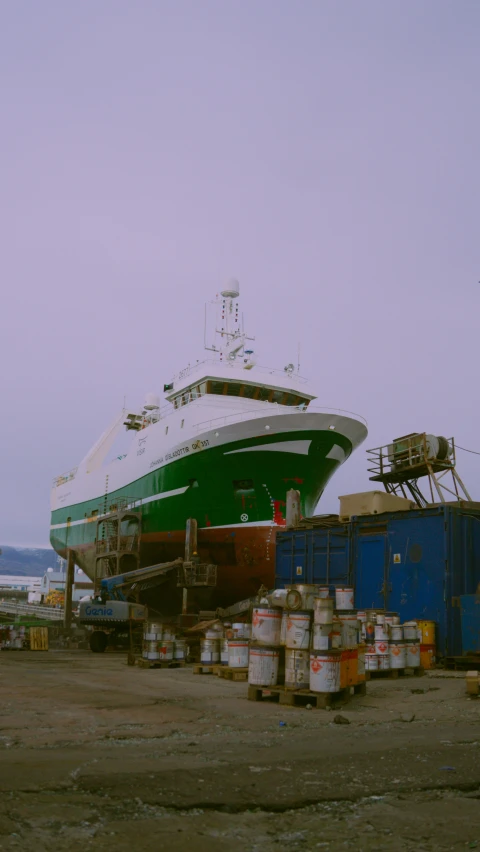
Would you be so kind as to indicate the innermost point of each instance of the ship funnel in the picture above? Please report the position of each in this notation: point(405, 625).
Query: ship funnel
point(232, 290)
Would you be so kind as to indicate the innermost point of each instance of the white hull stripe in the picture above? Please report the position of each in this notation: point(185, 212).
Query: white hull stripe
point(174, 493)
point(244, 524)
point(337, 453)
point(298, 447)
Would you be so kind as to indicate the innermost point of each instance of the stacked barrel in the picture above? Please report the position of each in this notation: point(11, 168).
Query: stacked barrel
point(160, 643)
point(226, 645)
point(391, 645)
point(320, 634)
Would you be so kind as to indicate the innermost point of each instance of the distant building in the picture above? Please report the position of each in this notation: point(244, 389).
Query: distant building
point(19, 587)
point(55, 581)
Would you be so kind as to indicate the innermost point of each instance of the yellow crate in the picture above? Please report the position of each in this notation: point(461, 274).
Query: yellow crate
point(39, 638)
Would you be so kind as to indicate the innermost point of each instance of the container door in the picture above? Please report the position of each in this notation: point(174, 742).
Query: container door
point(291, 558)
point(328, 557)
point(370, 572)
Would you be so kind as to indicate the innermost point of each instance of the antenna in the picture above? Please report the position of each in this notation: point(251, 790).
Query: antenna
point(298, 359)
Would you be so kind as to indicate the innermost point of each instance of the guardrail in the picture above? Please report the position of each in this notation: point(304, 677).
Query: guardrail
point(254, 413)
point(42, 612)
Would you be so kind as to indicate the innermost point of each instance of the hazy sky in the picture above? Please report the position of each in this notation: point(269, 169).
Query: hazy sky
point(325, 153)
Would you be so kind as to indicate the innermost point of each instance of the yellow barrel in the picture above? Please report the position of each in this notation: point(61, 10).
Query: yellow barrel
point(428, 632)
point(427, 656)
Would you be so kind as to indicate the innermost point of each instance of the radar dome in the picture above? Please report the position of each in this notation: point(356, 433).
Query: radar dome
point(232, 290)
point(152, 402)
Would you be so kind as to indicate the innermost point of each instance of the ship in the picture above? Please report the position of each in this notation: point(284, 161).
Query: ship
point(227, 443)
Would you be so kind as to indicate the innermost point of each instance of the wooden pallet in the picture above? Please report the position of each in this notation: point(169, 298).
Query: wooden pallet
point(394, 674)
point(302, 697)
point(232, 673)
point(200, 668)
point(159, 664)
point(39, 638)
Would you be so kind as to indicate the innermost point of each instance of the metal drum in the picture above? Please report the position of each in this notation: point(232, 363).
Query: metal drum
point(350, 630)
point(410, 631)
point(322, 635)
point(247, 631)
point(263, 666)
point(150, 651)
point(362, 616)
point(180, 649)
point(293, 599)
point(309, 593)
point(298, 630)
point(325, 671)
point(224, 652)
point(398, 655)
point(238, 653)
point(383, 662)
point(283, 627)
point(337, 633)
point(344, 597)
point(209, 651)
point(412, 650)
point(396, 632)
point(381, 647)
point(323, 610)
point(166, 649)
point(238, 628)
point(297, 668)
point(153, 631)
point(361, 662)
point(168, 633)
point(427, 630)
point(381, 633)
point(380, 618)
point(427, 656)
point(323, 592)
point(369, 632)
point(266, 624)
point(371, 662)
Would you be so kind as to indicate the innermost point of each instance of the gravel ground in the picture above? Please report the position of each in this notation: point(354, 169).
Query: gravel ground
point(96, 755)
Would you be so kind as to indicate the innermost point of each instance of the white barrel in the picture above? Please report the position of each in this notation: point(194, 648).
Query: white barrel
point(362, 616)
point(371, 662)
point(278, 598)
point(380, 618)
point(322, 635)
point(381, 633)
point(412, 654)
point(361, 660)
point(263, 665)
point(363, 631)
point(323, 592)
point(350, 630)
point(266, 624)
point(325, 671)
point(398, 655)
point(209, 651)
point(213, 633)
point(151, 637)
point(238, 628)
point(154, 627)
point(383, 662)
point(308, 592)
point(298, 630)
point(224, 652)
point(396, 619)
point(168, 633)
point(166, 649)
point(396, 632)
point(297, 668)
point(293, 599)
point(323, 610)
point(283, 627)
point(389, 620)
point(180, 649)
point(371, 615)
point(381, 647)
point(370, 649)
point(410, 630)
point(337, 633)
point(18, 643)
point(150, 651)
point(238, 653)
point(344, 597)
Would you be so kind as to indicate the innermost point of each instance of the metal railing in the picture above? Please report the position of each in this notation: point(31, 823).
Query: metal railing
point(251, 414)
point(36, 610)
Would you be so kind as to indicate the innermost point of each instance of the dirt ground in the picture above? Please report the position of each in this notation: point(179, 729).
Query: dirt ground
point(96, 755)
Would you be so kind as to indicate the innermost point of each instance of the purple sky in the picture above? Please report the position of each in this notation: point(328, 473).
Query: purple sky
point(326, 154)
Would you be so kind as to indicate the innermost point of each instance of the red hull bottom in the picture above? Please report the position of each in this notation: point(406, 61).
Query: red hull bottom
point(245, 559)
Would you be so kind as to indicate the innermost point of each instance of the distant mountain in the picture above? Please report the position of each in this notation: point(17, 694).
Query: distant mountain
point(27, 561)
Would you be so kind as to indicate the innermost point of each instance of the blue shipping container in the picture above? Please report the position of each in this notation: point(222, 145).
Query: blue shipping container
point(417, 563)
point(470, 609)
